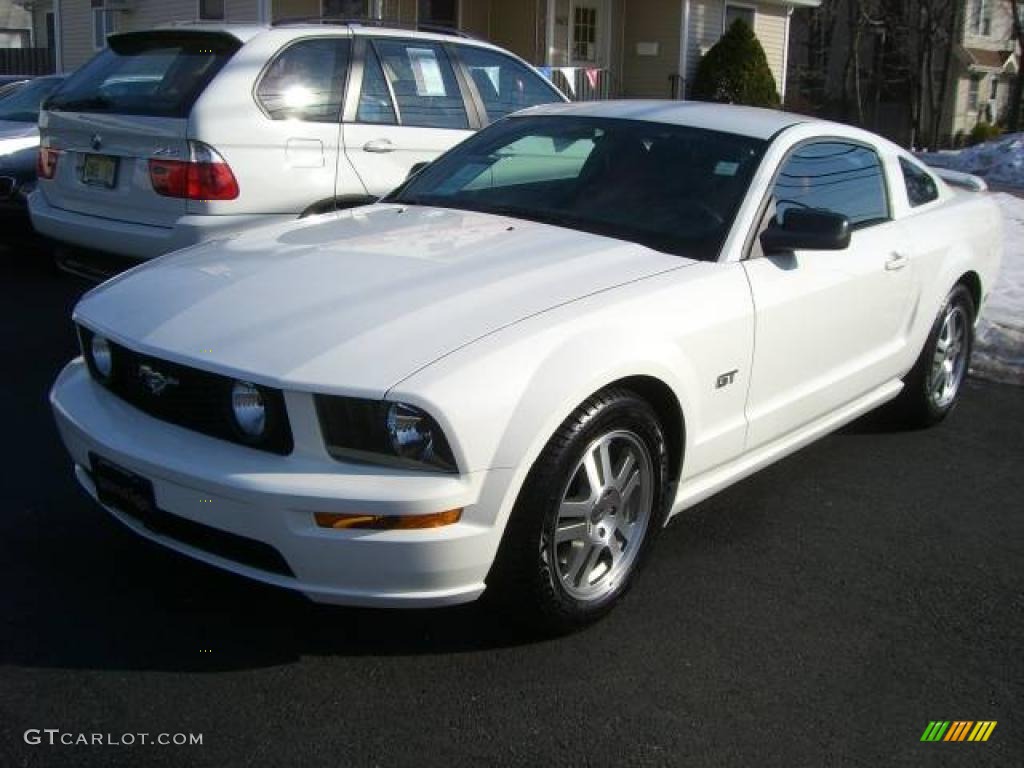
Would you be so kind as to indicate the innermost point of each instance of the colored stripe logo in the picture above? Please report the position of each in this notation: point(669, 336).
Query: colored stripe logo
point(958, 730)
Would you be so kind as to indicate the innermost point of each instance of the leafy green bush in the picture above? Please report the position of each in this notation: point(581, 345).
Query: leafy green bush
point(736, 71)
point(983, 132)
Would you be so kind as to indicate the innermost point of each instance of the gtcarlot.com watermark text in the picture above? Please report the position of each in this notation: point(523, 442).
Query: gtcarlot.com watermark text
point(55, 736)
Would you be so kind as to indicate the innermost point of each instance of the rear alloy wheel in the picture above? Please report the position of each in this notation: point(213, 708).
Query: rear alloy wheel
point(587, 515)
point(933, 386)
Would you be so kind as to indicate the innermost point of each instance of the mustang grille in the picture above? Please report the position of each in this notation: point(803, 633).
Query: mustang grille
point(188, 397)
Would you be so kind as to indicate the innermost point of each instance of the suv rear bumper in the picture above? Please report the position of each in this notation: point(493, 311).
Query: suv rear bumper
point(140, 241)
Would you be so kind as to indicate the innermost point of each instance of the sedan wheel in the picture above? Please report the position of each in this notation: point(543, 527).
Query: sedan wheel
point(932, 388)
point(593, 502)
point(603, 516)
point(949, 363)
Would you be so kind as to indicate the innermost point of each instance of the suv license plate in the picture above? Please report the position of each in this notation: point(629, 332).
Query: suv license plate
point(100, 171)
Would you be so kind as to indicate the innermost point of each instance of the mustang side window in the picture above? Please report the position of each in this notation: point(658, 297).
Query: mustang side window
point(921, 187)
point(306, 81)
point(834, 176)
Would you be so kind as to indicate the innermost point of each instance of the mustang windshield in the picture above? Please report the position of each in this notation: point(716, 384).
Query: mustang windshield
point(672, 188)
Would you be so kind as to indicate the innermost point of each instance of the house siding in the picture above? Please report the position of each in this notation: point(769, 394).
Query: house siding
point(514, 25)
point(770, 28)
point(76, 34)
point(650, 21)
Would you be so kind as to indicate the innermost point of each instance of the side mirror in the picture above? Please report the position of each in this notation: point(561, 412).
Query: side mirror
point(807, 229)
point(416, 169)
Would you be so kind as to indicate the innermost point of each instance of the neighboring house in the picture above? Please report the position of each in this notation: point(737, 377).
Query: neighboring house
point(630, 48)
point(15, 26)
point(983, 65)
point(986, 63)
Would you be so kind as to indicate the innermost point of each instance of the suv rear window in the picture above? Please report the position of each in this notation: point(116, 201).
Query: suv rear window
point(146, 73)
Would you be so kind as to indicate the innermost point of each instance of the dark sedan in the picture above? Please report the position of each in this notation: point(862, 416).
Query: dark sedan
point(19, 140)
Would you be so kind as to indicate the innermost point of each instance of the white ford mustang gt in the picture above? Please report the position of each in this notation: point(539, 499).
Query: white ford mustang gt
point(511, 372)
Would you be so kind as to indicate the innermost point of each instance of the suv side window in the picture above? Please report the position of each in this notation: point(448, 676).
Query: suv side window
point(423, 82)
point(834, 176)
point(921, 187)
point(504, 85)
point(306, 81)
point(374, 99)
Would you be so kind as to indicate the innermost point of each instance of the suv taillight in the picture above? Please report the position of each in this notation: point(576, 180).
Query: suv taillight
point(46, 162)
point(204, 176)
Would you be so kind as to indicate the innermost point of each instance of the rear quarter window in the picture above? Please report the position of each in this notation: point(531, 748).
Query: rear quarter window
point(306, 81)
point(921, 187)
point(159, 74)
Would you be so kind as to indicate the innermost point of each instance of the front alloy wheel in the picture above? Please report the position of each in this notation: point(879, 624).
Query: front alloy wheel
point(587, 515)
point(603, 516)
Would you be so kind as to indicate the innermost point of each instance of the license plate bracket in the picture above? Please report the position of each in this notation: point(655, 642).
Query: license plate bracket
point(100, 171)
point(122, 489)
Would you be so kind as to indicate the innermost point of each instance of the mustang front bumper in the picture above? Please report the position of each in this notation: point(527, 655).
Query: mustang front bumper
point(220, 503)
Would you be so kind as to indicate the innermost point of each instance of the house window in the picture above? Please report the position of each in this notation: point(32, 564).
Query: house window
point(973, 89)
point(994, 92)
point(441, 13)
point(103, 24)
point(981, 18)
point(584, 33)
point(211, 10)
point(734, 12)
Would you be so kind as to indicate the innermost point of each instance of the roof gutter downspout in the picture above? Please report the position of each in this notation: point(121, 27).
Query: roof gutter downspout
point(58, 39)
point(684, 48)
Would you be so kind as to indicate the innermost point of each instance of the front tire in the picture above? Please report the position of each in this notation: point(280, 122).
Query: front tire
point(591, 507)
point(932, 388)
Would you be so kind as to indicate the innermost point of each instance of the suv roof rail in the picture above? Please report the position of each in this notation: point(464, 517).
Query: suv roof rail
point(437, 29)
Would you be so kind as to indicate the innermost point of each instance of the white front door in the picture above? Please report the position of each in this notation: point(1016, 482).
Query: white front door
point(588, 33)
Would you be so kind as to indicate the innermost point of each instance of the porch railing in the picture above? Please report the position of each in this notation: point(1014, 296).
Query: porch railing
point(26, 61)
point(584, 83)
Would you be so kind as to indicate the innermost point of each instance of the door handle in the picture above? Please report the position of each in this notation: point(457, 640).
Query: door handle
point(896, 261)
point(379, 146)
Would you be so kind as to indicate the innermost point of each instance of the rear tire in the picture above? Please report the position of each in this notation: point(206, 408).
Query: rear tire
point(586, 517)
point(932, 388)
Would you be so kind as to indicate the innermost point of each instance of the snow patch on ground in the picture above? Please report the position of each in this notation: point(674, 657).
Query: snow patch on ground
point(999, 162)
point(999, 346)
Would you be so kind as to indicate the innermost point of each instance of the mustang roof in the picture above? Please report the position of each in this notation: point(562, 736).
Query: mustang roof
point(748, 121)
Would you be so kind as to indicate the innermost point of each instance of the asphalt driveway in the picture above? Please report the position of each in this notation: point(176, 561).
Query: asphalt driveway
point(819, 613)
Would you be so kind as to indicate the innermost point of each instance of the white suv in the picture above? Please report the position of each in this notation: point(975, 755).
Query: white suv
point(173, 136)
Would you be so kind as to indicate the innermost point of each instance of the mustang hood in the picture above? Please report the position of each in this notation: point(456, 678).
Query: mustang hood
point(355, 302)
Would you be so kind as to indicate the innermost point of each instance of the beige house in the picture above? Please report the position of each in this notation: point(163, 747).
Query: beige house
point(600, 48)
point(987, 64)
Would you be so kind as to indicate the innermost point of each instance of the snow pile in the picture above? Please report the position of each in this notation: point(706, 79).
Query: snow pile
point(999, 162)
point(999, 346)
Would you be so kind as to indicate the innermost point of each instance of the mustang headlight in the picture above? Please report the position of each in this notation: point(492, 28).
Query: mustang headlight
point(249, 409)
point(102, 357)
point(383, 433)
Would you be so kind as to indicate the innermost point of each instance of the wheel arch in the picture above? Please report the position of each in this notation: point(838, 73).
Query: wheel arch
point(971, 280)
point(666, 405)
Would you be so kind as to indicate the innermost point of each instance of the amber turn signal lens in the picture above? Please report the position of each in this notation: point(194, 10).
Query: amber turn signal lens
point(388, 522)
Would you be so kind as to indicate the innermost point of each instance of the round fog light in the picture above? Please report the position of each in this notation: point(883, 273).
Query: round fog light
point(101, 356)
point(249, 410)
